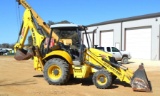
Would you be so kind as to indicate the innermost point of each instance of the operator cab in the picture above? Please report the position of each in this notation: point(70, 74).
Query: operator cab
point(69, 39)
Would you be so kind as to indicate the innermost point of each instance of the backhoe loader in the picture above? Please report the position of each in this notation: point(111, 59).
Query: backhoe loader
point(60, 53)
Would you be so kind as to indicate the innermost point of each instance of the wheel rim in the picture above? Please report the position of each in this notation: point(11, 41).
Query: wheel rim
point(101, 79)
point(54, 72)
point(125, 60)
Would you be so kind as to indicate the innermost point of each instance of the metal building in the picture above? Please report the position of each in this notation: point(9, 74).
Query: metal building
point(138, 34)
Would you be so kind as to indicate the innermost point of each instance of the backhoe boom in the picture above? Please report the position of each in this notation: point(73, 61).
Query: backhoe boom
point(38, 18)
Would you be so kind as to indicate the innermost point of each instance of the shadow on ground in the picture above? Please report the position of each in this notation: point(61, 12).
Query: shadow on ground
point(83, 82)
point(73, 81)
point(17, 83)
point(88, 82)
point(117, 82)
point(39, 76)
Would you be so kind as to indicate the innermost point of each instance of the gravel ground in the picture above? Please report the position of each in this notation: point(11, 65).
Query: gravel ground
point(18, 78)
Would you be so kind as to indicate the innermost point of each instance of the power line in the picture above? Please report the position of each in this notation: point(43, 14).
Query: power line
point(17, 15)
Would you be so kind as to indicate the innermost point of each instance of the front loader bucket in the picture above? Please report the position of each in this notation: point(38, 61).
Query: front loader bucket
point(139, 81)
point(22, 54)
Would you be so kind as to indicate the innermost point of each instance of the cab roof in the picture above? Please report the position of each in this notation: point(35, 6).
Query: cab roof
point(63, 25)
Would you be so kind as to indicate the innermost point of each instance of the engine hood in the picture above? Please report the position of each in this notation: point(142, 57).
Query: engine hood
point(124, 52)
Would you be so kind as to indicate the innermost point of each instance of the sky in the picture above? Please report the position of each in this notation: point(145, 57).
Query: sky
point(82, 12)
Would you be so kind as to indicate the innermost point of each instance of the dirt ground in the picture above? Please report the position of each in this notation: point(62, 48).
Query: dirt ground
point(18, 78)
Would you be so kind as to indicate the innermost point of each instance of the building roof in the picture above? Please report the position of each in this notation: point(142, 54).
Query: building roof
point(127, 19)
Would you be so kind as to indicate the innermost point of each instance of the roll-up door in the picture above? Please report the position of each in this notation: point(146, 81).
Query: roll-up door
point(106, 38)
point(138, 42)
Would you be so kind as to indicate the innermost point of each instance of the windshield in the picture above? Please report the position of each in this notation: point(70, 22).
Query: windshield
point(68, 33)
point(115, 49)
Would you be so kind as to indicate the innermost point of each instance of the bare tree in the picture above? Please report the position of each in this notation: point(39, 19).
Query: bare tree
point(64, 22)
point(11, 46)
point(5, 45)
point(61, 22)
point(50, 23)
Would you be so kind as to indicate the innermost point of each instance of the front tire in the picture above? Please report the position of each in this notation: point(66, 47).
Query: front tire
point(56, 71)
point(102, 79)
point(124, 60)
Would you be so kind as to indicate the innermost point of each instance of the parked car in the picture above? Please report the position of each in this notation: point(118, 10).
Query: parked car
point(122, 56)
point(3, 52)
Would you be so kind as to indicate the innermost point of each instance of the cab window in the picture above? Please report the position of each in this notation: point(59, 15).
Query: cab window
point(114, 49)
point(108, 49)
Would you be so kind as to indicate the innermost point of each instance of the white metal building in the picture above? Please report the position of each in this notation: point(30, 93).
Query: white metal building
point(138, 34)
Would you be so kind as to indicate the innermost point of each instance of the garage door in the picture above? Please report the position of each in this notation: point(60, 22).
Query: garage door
point(106, 38)
point(138, 42)
point(89, 35)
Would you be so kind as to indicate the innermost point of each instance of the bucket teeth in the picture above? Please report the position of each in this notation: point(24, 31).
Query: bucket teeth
point(139, 81)
point(22, 54)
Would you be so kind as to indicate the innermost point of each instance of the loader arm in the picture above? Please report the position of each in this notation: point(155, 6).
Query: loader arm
point(138, 79)
point(123, 75)
point(38, 18)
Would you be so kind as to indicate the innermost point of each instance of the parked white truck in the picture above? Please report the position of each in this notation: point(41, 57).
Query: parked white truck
point(122, 56)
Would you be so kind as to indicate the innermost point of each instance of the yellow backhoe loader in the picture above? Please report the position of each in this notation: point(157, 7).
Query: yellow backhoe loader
point(59, 52)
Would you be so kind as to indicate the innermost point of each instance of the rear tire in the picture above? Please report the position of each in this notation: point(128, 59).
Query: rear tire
point(102, 79)
point(124, 60)
point(56, 71)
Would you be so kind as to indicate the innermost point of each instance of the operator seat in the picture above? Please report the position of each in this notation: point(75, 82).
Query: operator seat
point(80, 58)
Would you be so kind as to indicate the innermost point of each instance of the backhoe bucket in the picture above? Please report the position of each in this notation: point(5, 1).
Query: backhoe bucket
point(139, 81)
point(22, 54)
